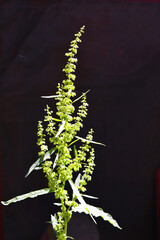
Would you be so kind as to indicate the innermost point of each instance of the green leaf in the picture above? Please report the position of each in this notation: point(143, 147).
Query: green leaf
point(77, 193)
point(55, 161)
point(88, 196)
point(85, 140)
point(57, 120)
point(40, 160)
point(27, 195)
point(75, 151)
point(54, 221)
point(81, 96)
point(38, 168)
point(89, 209)
point(61, 128)
point(58, 204)
point(52, 96)
point(96, 212)
point(80, 199)
point(69, 92)
point(73, 142)
point(77, 180)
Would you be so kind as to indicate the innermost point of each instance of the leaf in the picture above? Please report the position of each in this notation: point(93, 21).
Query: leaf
point(80, 96)
point(96, 212)
point(75, 151)
point(53, 221)
point(61, 128)
point(77, 193)
point(27, 195)
point(80, 199)
point(91, 215)
point(40, 160)
point(57, 120)
point(38, 168)
point(55, 161)
point(89, 209)
point(77, 180)
point(73, 142)
point(69, 92)
point(85, 140)
point(88, 196)
point(58, 204)
point(52, 96)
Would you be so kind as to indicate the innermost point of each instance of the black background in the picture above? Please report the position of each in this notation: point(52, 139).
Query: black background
point(119, 61)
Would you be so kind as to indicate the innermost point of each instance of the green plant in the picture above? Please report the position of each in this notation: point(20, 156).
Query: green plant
point(65, 162)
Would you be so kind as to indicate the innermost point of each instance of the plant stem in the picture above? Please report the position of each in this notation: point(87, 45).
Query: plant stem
point(65, 228)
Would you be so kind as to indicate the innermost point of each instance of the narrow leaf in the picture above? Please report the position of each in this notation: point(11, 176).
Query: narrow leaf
point(75, 151)
point(69, 92)
point(96, 212)
point(91, 215)
point(55, 161)
point(61, 128)
point(38, 168)
point(27, 195)
point(58, 204)
point(77, 180)
point(53, 221)
point(77, 193)
point(88, 196)
point(52, 96)
point(85, 140)
point(40, 160)
point(73, 142)
point(80, 199)
point(56, 119)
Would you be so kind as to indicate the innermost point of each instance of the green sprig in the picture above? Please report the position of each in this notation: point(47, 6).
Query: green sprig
point(64, 158)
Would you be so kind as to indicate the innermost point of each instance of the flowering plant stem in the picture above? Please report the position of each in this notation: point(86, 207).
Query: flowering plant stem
point(60, 158)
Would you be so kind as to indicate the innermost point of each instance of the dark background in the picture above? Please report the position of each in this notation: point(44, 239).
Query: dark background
point(119, 61)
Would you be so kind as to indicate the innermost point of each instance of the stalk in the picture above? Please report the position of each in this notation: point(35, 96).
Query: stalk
point(65, 229)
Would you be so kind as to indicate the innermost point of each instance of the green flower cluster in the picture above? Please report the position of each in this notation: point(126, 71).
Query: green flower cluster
point(41, 139)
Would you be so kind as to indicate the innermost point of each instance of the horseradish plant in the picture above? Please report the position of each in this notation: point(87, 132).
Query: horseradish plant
point(65, 162)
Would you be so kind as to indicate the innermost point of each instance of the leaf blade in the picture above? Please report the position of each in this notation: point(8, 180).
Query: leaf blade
point(96, 212)
point(88, 196)
point(40, 160)
point(80, 199)
point(51, 96)
point(85, 140)
point(53, 221)
point(77, 193)
point(61, 128)
point(32, 194)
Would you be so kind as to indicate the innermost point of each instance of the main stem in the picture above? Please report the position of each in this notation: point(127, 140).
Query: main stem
point(65, 229)
point(64, 210)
